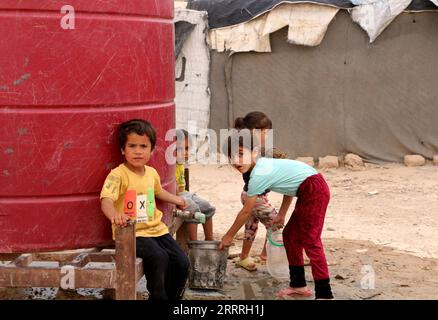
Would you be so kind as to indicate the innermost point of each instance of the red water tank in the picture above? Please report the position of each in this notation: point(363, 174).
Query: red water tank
point(68, 76)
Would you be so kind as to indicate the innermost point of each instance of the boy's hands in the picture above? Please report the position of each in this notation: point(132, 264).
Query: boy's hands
point(183, 204)
point(120, 220)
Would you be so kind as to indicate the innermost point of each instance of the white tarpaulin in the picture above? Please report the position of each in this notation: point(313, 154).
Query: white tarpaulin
point(192, 72)
point(307, 23)
point(375, 15)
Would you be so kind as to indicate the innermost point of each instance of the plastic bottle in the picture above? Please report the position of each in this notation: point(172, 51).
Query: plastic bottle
point(276, 263)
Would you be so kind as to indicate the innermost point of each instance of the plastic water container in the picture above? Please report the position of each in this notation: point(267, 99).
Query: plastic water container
point(276, 263)
point(207, 265)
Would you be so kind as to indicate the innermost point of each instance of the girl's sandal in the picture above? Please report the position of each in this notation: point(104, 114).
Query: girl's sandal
point(260, 259)
point(293, 292)
point(247, 264)
point(263, 259)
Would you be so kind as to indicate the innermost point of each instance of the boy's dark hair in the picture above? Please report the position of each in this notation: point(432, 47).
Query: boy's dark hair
point(239, 139)
point(138, 126)
point(182, 133)
point(181, 136)
point(253, 120)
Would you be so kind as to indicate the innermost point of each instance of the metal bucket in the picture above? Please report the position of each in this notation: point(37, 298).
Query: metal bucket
point(208, 265)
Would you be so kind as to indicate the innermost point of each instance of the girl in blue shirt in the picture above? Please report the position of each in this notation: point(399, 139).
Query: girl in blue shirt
point(303, 230)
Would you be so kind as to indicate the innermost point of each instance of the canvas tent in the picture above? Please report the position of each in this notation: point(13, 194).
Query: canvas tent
point(344, 94)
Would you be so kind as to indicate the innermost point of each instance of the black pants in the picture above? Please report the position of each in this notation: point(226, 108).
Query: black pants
point(165, 266)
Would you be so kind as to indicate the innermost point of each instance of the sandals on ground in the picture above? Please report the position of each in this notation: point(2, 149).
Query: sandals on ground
point(247, 264)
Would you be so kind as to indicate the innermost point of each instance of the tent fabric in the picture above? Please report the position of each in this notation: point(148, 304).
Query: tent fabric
point(245, 25)
point(223, 13)
point(182, 31)
point(192, 71)
point(341, 96)
point(423, 5)
point(307, 24)
point(375, 15)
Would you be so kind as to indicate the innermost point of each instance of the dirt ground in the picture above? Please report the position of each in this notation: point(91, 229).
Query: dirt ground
point(381, 219)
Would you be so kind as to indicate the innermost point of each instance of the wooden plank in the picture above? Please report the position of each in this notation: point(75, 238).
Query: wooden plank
point(187, 178)
point(11, 277)
point(175, 225)
point(62, 256)
point(182, 236)
point(23, 260)
point(138, 269)
point(9, 256)
point(102, 257)
point(126, 284)
point(22, 277)
point(80, 260)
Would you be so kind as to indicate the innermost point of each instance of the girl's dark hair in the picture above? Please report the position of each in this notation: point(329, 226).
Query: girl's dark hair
point(253, 120)
point(181, 133)
point(138, 126)
point(239, 139)
point(181, 137)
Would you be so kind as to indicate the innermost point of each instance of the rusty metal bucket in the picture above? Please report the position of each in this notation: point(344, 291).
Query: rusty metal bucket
point(208, 265)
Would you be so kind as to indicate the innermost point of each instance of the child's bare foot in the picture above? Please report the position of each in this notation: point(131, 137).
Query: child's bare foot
point(289, 291)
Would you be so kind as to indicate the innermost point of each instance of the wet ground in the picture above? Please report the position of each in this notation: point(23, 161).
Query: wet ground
point(360, 270)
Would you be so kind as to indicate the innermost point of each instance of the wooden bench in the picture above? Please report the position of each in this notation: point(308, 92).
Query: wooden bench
point(122, 277)
point(72, 271)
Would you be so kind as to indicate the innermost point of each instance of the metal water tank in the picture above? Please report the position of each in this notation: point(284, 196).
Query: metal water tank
point(68, 76)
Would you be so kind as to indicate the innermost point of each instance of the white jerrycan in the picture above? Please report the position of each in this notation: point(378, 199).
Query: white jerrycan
point(276, 263)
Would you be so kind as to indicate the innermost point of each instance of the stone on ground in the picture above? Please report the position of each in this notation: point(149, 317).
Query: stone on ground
point(353, 161)
point(328, 162)
point(307, 160)
point(414, 160)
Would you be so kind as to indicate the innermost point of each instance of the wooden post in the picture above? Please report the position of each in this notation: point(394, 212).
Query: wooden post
point(126, 282)
point(187, 178)
point(182, 236)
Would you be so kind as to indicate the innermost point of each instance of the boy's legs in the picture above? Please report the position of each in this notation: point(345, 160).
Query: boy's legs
point(155, 264)
point(208, 229)
point(178, 267)
point(192, 229)
point(165, 266)
point(192, 206)
point(206, 208)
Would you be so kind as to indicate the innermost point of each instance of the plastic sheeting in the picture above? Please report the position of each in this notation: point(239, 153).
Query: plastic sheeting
point(223, 13)
point(182, 31)
point(307, 26)
point(372, 15)
point(423, 5)
point(192, 71)
point(375, 15)
point(378, 101)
